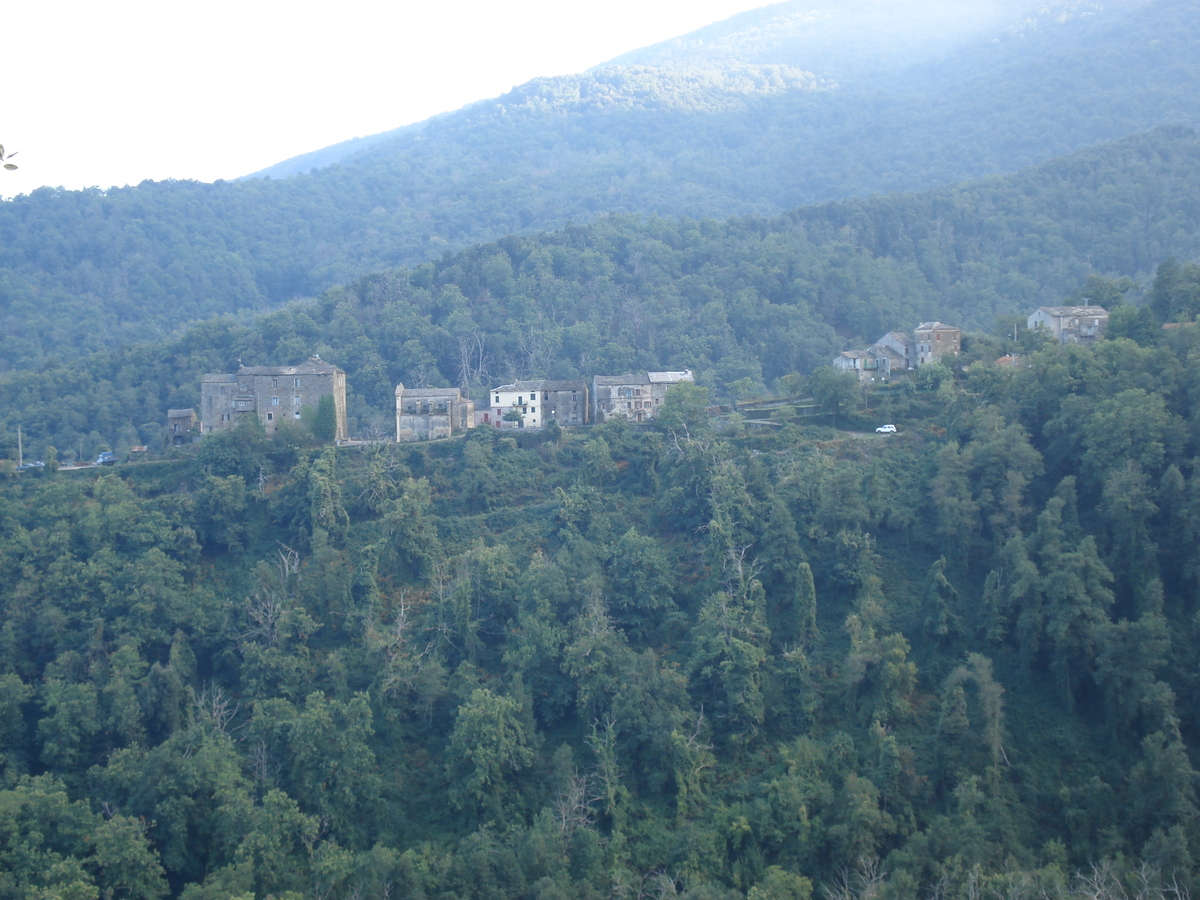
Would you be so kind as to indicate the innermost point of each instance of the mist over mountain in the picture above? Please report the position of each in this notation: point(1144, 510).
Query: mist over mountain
point(769, 111)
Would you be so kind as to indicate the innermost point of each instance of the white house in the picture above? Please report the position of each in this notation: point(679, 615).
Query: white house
point(1071, 324)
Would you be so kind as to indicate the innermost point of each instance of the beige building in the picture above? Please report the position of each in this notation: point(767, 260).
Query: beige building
point(1071, 324)
point(430, 414)
point(637, 396)
point(935, 342)
point(274, 393)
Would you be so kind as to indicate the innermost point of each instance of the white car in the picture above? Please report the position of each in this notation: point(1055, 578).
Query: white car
point(886, 429)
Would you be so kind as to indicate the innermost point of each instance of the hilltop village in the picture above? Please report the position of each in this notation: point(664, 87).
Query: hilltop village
point(277, 394)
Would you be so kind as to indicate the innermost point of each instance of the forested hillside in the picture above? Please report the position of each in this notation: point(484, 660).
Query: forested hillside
point(748, 299)
point(957, 661)
point(755, 135)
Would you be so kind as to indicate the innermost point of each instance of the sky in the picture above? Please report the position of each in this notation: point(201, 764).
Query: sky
point(104, 94)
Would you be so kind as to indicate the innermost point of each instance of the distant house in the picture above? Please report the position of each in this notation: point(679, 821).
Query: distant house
point(182, 424)
point(859, 362)
point(531, 404)
point(430, 414)
point(935, 341)
point(636, 396)
point(1071, 324)
point(893, 353)
point(902, 346)
point(274, 393)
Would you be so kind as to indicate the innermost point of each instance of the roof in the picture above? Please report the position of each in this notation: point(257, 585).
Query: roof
point(312, 366)
point(579, 385)
point(520, 386)
point(670, 377)
point(180, 413)
point(1073, 310)
point(542, 385)
point(631, 378)
point(884, 350)
point(224, 377)
point(429, 393)
point(856, 354)
point(936, 326)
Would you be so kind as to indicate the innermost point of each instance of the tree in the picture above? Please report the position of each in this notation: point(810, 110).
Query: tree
point(731, 642)
point(937, 600)
point(931, 376)
point(325, 424)
point(685, 409)
point(836, 392)
point(489, 745)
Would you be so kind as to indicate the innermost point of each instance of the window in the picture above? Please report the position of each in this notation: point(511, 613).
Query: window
point(295, 382)
point(497, 399)
point(296, 400)
point(296, 414)
point(177, 429)
point(274, 401)
point(270, 417)
point(274, 382)
point(222, 390)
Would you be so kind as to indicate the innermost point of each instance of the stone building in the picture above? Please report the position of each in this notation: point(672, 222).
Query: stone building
point(182, 424)
point(876, 363)
point(538, 402)
point(902, 346)
point(936, 341)
point(430, 414)
point(637, 396)
point(896, 352)
point(274, 393)
point(1071, 324)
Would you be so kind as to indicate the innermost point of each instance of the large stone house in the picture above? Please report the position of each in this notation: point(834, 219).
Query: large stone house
point(1071, 324)
point(274, 393)
point(936, 341)
point(637, 396)
point(531, 404)
point(429, 414)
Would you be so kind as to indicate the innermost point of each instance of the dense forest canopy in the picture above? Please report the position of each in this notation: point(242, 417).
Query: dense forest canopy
point(749, 298)
point(730, 137)
point(663, 661)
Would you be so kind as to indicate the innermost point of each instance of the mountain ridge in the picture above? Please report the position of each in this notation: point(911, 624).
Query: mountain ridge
point(136, 264)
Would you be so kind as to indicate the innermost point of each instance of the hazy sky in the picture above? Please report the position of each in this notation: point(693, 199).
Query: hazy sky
point(114, 93)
